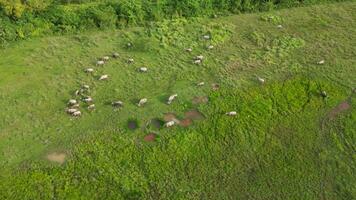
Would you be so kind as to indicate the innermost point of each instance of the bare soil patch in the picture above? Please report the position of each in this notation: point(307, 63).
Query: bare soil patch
point(150, 137)
point(200, 100)
point(57, 157)
point(343, 106)
point(194, 115)
point(186, 122)
point(170, 117)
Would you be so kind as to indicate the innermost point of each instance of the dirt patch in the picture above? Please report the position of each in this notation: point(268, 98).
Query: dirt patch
point(150, 137)
point(200, 100)
point(194, 115)
point(156, 123)
point(186, 122)
point(343, 106)
point(170, 117)
point(57, 157)
point(132, 124)
point(215, 86)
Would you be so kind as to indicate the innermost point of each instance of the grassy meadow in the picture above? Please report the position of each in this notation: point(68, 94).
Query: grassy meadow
point(287, 141)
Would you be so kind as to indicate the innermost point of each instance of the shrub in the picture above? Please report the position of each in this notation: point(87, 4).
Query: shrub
point(129, 12)
point(7, 31)
point(101, 16)
point(38, 17)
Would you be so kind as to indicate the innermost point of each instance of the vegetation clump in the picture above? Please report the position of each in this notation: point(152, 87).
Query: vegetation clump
point(23, 19)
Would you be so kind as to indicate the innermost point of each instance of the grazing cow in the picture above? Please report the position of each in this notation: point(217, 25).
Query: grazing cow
point(143, 69)
point(171, 98)
point(115, 55)
point(100, 63)
point(321, 62)
point(189, 50)
point(142, 102)
point(75, 106)
point(261, 80)
point(103, 77)
point(201, 84)
point(117, 104)
point(89, 70)
point(88, 99)
point(232, 113)
point(170, 124)
point(106, 58)
point(72, 102)
point(197, 62)
point(77, 114)
point(200, 57)
point(130, 60)
point(77, 93)
point(91, 107)
point(71, 110)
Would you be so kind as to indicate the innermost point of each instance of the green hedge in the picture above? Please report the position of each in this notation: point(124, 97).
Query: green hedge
point(19, 21)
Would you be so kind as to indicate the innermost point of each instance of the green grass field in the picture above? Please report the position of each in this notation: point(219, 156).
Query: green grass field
point(287, 141)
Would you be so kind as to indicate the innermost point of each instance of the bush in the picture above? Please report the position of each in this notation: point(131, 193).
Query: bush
point(22, 19)
point(129, 12)
point(7, 31)
point(100, 17)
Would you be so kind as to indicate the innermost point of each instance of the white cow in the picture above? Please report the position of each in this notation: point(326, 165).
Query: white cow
point(232, 113)
point(72, 102)
point(77, 114)
point(171, 98)
point(117, 104)
point(100, 63)
point(103, 77)
point(71, 110)
point(170, 124)
point(197, 62)
point(115, 55)
point(89, 70)
point(106, 58)
point(261, 80)
point(201, 84)
point(75, 106)
point(88, 99)
point(142, 102)
point(200, 57)
point(143, 69)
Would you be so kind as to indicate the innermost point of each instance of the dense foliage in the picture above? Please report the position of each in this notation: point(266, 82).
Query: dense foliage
point(22, 19)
